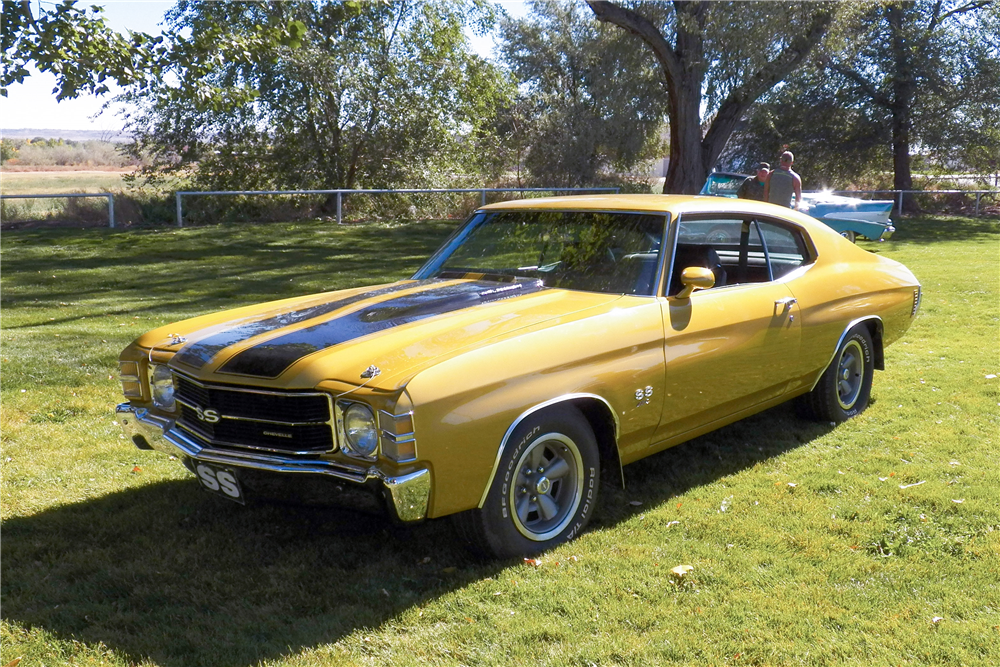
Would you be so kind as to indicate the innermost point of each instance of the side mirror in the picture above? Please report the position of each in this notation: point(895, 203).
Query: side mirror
point(695, 277)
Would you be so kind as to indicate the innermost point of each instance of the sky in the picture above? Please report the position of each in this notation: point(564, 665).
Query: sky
point(32, 104)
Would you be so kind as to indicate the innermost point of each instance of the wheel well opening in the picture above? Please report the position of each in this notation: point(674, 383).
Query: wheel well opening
point(875, 330)
point(602, 422)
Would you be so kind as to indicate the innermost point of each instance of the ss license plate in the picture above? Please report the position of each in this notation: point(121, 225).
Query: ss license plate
point(222, 481)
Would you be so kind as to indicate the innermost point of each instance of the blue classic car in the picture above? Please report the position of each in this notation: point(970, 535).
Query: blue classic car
point(849, 216)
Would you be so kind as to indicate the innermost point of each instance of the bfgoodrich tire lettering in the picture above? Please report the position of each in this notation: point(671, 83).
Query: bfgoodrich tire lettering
point(545, 489)
point(845, 387)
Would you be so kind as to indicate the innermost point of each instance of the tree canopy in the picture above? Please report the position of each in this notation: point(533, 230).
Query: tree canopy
point(900, 78)
point(718, 58)
point(301, 94)
point(591, 103)
point(85, 54)
point(375, 95)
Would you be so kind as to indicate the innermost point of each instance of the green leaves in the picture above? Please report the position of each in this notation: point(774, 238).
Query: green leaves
point(295, 32)
point(303, 95)
point(83, 51)
point(592, 102)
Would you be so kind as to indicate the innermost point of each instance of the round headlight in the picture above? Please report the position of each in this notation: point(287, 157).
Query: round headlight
point(360, 430)
point(161, 386)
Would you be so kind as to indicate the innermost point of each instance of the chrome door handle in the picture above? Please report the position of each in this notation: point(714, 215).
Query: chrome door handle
point(785, 306)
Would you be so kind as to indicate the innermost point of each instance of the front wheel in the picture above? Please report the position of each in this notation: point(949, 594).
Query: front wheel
point(545, 488)
point(845, 386)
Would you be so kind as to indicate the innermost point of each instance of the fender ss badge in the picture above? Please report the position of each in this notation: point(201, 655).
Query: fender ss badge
point(643, 395)
point(370, 372)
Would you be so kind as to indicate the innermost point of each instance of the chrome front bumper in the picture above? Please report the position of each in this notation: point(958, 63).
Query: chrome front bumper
point(407, 495)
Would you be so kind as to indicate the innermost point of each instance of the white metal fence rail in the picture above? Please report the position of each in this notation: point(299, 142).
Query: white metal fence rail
point(897, 195)
point(107, 195)
point(341, 193)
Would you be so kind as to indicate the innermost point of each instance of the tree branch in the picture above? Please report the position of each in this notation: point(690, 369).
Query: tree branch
point(609, 12)
point(744, 95)
point(26, 11)
point(866, 86)
point(969, 7)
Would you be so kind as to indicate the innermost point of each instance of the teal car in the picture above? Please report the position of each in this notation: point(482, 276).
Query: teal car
point(849, 216)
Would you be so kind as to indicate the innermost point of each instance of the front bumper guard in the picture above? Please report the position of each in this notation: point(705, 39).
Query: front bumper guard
point(407, 495)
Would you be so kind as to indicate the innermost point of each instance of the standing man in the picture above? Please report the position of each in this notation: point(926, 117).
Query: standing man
point(782, 183)
point(753, 186)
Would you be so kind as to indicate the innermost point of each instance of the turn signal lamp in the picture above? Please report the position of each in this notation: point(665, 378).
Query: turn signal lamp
point(128, 373)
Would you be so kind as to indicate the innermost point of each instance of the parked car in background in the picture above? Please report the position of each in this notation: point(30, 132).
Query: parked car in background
point(545, 345)
point(848, 216)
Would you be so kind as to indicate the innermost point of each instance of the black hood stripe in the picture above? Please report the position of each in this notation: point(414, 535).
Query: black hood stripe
point(270, 359)
point(199, 353)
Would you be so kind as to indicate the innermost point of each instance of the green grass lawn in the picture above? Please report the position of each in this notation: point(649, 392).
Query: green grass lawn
point(805, 547)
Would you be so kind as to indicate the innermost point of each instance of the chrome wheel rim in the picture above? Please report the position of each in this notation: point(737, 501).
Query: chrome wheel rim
point(547, 487)
point(850, 374)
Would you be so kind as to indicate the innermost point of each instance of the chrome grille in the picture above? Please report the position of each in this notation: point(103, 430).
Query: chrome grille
point(228, 417)
point(916, 302)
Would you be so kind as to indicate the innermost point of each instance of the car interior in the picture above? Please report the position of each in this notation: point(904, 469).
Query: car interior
point(737, 251)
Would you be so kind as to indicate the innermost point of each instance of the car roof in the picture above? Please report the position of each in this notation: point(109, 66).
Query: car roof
point(675, 205)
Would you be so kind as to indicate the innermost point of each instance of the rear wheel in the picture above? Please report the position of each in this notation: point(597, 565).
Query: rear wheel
point(545, 488)
point(845, 386)
point(849, 235)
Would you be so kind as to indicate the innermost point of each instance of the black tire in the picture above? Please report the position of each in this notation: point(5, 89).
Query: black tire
point(845, 386)
point(528, 511)
point(849, 235)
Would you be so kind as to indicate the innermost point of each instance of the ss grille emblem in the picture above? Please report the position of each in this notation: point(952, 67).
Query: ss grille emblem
point(211, 416)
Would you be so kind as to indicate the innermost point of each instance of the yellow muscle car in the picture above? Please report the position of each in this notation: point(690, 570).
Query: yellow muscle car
point(547, 342)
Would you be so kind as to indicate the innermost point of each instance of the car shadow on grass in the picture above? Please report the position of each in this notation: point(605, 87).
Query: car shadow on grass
point(170, 574)
point(707, 459)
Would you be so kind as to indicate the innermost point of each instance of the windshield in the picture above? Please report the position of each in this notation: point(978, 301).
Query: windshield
point(722, 184)
point(592, 251)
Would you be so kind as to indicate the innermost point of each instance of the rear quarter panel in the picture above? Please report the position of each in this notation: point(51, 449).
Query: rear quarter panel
point(847, 283)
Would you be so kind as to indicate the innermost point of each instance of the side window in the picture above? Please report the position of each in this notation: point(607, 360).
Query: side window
point(786, 250)
point(714, 242)
point(767, 252)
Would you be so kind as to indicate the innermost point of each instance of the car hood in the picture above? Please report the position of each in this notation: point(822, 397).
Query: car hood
point(399, 328)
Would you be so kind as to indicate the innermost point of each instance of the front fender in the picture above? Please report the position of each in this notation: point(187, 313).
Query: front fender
point(464, 407)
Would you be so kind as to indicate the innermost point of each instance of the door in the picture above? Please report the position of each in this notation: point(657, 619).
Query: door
point(733, 346)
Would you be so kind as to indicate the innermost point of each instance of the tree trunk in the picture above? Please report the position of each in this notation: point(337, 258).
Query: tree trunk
point(686, 172)
point(902, 177)
point(692, 156)
point(903, 90)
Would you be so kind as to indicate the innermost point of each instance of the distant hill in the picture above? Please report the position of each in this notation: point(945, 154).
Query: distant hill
point(74, 135)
